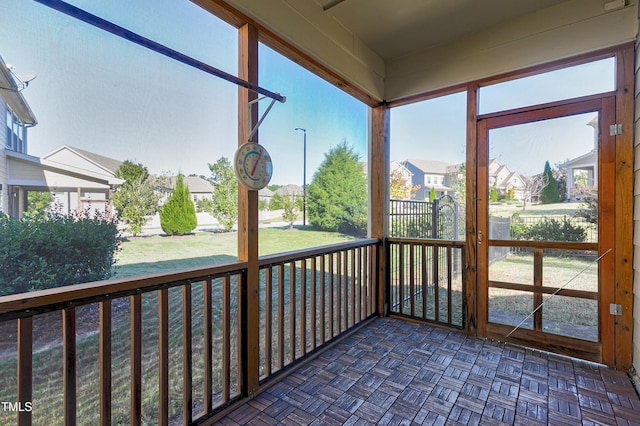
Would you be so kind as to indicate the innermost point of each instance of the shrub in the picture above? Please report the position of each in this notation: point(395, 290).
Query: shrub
point(555, 230)
point(178, 215)
point(40, 253)
point(589, 207)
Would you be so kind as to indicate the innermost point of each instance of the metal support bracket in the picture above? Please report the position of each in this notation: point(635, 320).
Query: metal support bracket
point(254, 129)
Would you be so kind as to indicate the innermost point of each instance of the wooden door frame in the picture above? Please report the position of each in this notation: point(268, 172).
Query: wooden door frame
point(624, 55)
point(603, 350)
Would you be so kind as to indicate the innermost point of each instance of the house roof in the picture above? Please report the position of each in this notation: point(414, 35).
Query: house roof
point(13, 97)
point(63, 169)
point(588, 159)
point(265, 192)
point(429, 166)
point(109, 165)
point(290, 190)
point(196, 184)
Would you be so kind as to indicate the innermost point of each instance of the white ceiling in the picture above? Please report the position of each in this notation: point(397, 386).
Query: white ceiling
point(395, 28)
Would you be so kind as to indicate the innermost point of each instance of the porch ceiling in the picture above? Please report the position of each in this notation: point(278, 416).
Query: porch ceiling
point(400, 27)
point(390, 50)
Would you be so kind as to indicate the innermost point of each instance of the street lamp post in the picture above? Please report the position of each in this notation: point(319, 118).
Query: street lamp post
point(304, 176)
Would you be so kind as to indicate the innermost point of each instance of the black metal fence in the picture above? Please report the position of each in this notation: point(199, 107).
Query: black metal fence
point(440, 219)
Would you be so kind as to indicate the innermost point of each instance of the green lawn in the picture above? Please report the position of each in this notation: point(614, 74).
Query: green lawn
point(557, 209)
point(158, 253)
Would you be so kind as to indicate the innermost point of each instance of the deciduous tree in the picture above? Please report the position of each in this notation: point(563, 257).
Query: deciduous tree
point(225, 193)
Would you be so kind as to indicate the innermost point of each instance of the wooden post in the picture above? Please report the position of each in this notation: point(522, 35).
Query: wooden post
point(471, 258)
point(248, 217)
point(624, 209)
point(379, 196)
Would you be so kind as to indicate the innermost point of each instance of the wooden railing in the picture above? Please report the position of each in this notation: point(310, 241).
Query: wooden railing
point(426, 280)
point(177, 355)
point(311, 297)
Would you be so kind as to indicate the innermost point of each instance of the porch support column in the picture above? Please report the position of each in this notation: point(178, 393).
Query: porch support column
point(248, 217)
point(379, 196)
point(471, 267)
point(624, 210)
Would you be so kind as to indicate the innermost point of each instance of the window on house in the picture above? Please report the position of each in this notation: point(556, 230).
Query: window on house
point(16, 133)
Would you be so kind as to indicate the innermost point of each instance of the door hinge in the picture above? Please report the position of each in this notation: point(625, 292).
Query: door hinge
point(615, 129)
point(615, 309)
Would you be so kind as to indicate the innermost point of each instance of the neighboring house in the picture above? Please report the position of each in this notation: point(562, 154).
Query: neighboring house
point(290, 189)
point(429, 174)
point(21, 173)
point(398, 168)
point(85, 195)
point(504, 180)
point(265, 194)
point(199, 188)
point(582, 171)
point(18, 117)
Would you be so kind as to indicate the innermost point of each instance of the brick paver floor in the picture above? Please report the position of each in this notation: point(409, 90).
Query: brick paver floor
point(394, 372)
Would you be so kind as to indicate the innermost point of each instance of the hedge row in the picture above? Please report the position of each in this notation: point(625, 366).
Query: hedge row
point(54, 251)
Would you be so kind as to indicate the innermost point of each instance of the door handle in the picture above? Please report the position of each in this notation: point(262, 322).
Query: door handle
point(479, 237)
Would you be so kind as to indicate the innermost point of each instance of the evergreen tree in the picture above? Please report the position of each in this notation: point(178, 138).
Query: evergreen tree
point(432, 194)
point(225, 193)
point(550, 193)
point(178, 215)
point(337, 197)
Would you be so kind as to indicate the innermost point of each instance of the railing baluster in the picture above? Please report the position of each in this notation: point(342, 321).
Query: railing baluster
point(208, 346)
point(314, 312)
point(449, 284)
point(280, 316)
point(163, 357)
point(412, 275)
point(268, 314)
point(353, 287)
point(345, 289)
point(425, 281)
point(187, 357)
point(69, 364)
point(359, 284)
point(331, 319)
point(338, 293)
point(303, 307)
point(292, 311)
point(401, 276)
point(226, 337)
point(25, 368)
point(105, 362)
point(436, 282)
point(322, 299)
point(135, 314)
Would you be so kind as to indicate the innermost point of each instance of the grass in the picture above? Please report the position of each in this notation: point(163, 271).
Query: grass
point(557, 209)
point(158, 253)
point(143, 255)
point(561, 314)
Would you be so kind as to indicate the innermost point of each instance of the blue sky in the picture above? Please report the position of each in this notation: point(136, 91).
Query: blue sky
point(101, 93)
